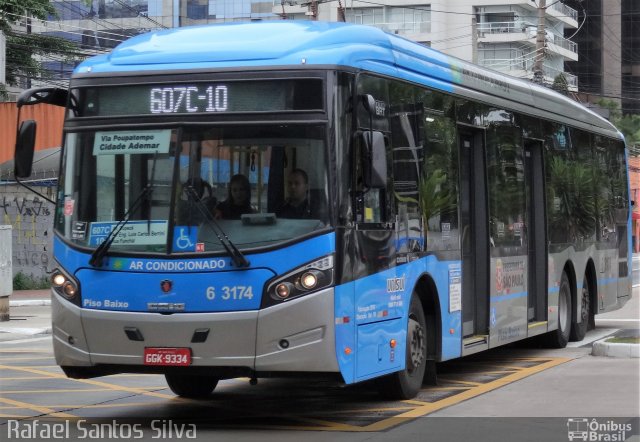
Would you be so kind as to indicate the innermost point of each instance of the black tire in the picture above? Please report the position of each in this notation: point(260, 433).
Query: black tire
point(192, 387)
point(406, 384)
point(578, 330)
point(559, 337)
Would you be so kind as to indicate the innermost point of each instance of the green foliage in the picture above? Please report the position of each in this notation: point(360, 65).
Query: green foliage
point(629, 124)
point(435, 198)
point(560, 84)
point(571, 187)
point(22, 281)
point(437, 194)
point(11, 8)
point(22, 48)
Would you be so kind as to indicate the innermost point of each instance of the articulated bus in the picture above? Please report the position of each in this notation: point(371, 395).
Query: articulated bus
point(441, 209)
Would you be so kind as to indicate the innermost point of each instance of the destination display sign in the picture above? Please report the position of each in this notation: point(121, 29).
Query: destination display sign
point(132, 142)
point(202, 98)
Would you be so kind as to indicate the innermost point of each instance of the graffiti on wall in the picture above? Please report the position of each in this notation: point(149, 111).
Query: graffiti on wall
point(31, 220)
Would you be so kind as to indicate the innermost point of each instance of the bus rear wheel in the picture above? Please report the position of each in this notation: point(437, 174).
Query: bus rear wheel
point(192, 387)
point(578, 330)
point(559, 337)
point(406, 384)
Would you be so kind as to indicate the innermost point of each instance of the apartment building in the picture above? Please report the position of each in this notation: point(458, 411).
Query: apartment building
point(609, 42)
point(499, 34)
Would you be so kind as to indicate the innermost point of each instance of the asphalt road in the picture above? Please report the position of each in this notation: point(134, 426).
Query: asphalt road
point(513, 393)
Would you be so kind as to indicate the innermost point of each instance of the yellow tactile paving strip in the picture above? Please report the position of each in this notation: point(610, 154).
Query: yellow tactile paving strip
point(29, 390)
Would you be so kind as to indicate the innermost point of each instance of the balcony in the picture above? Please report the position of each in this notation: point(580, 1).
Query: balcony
point(405, 28)
point(563, 43)
point(523, 68)
point(564, 10)
point(525, 32)
point(505, 27)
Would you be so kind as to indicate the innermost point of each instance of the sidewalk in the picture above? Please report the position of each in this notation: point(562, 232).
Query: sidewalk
point(29, 315)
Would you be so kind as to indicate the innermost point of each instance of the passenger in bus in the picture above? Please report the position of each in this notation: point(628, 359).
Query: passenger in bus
point(297, 205)
point(238, 201)
point(188, 212)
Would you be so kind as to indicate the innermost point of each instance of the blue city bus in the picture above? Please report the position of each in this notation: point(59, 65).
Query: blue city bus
point(400, 208)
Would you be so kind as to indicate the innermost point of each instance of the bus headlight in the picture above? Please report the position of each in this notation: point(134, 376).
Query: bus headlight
point(307, 279)
point(283, 290)
point(65, 286)
point(58, 279)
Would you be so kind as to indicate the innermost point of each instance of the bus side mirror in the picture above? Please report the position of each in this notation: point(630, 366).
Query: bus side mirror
point(25, 146)
point(375, 160)
point(369, 104)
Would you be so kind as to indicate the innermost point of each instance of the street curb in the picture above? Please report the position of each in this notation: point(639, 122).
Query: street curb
point(615, 350)
point(30, 303)
point(14, 334)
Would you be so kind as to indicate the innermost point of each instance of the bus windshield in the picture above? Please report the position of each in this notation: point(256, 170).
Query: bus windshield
point(257, 184)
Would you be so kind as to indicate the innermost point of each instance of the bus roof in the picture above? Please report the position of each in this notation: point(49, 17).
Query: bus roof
point(301, 44)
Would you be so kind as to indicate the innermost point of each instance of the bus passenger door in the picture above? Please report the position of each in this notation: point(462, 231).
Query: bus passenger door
point(536, 234)
point(475, 240)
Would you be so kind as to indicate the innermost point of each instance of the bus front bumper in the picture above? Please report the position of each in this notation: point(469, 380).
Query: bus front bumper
point(296, 336)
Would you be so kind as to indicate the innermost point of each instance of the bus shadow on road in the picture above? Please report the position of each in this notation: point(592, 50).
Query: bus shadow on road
point(294, 404)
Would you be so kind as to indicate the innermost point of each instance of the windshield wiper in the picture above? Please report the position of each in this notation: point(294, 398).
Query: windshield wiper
point(97, 256)
point(236, 255)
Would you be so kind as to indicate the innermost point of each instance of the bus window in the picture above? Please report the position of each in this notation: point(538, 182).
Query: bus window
point(506, 184)
point(372, 205)
point(438, 187)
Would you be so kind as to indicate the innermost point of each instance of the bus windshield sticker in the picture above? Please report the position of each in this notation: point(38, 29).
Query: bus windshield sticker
point(132, 142)
point(455, 288)
point(79, 230)
point(69, 205)
point(132, 233)
point(184, 238)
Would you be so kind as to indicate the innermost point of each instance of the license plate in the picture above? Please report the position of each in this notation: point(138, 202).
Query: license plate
point(167, 356)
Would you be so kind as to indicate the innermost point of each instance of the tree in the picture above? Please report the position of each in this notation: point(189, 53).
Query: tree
point(628, 124)
point(23, 48)
point(560, 84)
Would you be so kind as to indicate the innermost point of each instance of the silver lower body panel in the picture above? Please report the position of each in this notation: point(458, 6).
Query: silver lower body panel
point(295, 336)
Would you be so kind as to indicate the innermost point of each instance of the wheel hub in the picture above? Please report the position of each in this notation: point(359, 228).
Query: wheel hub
point(585, 304)
point(416, 344)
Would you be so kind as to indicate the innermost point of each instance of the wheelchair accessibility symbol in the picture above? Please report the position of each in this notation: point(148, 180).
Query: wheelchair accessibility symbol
point(184, 238)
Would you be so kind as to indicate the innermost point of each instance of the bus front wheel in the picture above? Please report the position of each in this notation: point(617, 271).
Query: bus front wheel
point(192, 387)
point(406, 384)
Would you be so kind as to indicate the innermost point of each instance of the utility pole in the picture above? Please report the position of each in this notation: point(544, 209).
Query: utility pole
point(341, 12)
point(538, 75)
point(28, 33)
point(313, 9)
point(474, 40)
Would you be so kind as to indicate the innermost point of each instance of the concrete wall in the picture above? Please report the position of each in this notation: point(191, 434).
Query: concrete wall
point(6, 280)
point(31, 219)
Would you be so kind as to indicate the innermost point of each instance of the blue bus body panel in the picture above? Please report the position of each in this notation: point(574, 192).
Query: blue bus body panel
point(372, 311)
point(283, 43)
point(299, 44)
point(244, 45)
point(112, 287)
